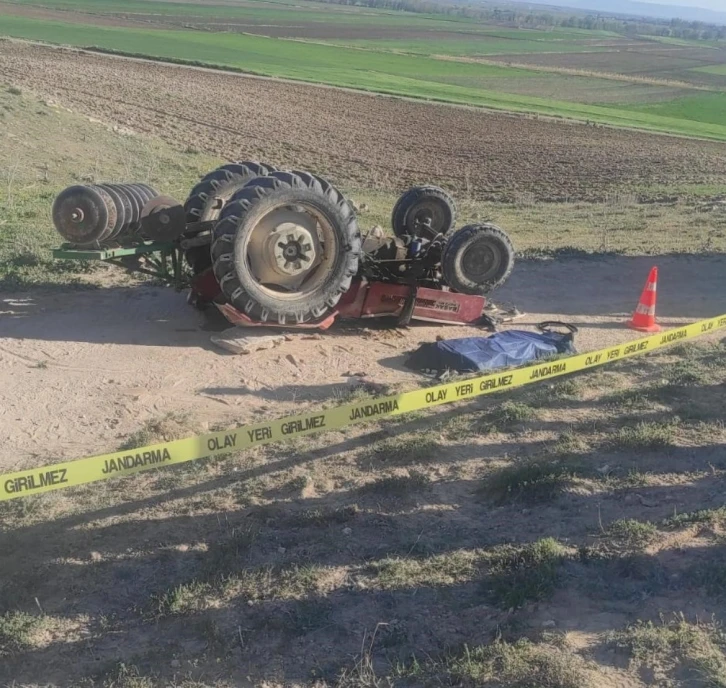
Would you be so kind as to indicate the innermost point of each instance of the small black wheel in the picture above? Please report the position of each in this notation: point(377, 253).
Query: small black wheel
point(477, 259)
point(286, 248)
point(424, 211)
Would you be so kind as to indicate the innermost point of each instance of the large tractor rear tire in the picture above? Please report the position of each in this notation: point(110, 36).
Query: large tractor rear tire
point(208, 198)
point(286, 248)
point(477, 259)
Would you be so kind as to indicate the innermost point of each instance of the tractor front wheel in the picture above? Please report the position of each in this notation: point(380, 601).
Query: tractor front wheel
point(477, 259)
point(423, 211)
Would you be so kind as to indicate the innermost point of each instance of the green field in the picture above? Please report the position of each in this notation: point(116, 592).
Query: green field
point(482, 45)
point(710, 107)
point(720, 70)
point(414, 55)
point(292, 13)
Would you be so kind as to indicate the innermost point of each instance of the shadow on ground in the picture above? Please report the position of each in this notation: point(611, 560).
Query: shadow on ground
point(689, 287)
point(329, 551)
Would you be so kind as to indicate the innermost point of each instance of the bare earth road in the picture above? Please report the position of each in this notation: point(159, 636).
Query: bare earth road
point(101, 363)
point(359, 139)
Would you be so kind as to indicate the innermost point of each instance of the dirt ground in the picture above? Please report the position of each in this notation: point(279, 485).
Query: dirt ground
point(340, 133)
point(101, 363)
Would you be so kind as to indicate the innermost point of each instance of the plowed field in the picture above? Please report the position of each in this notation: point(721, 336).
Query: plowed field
point(359, 139)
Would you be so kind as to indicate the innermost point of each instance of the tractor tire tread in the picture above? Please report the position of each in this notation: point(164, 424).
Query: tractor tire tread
point(409, 198)
point(451, 268)
point(233, 215)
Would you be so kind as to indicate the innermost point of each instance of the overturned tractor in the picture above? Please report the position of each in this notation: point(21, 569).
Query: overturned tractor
point(283, 248)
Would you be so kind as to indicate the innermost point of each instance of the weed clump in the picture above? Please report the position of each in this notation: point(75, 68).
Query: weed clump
point(524, 574)
point(530, 481)
point(16, 631)
point(645, 436)
point(677, 648)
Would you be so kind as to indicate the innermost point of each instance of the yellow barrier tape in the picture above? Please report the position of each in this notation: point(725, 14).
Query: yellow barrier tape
point(61, 475)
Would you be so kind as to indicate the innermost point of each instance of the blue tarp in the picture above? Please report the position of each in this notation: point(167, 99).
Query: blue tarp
point(500, 350)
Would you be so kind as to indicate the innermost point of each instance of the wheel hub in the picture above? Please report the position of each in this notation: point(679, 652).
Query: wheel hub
point(427, 219)
point(284, 248)
point(293, 248)
point(480, 261)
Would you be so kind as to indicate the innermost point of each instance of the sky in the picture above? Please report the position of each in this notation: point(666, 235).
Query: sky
point(718, 5)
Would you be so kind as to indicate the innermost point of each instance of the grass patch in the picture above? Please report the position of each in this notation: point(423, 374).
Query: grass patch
point(617, 560)
point(633, 478)
point(397, 485)
point(704, 107)
point(704, 517)
point(264, 583)
point(130, 676)
point(17, 630)
point(568, 388)
point(644, 436)
point(523, 664)
point(524, 574)
point(184, 599)
point(407, 572)
point(275, 583)
point(687, 373)
point(172, 426)
point(405, 449)
point(322, 517)
point(679, 648)
point(632, 533)
point(568, 445)
point(710, 572)
point(632, 399)
point(615, 573)
point(225, 556)
point(506, 417)
point(531, 481)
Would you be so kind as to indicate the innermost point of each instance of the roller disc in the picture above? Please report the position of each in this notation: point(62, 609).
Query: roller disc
point(150, 190)
point(163, 219)
point(111, 208)
point(120, 209)
point(128, 206)
point(144, 191)
point(81, 216)
point(137, 203)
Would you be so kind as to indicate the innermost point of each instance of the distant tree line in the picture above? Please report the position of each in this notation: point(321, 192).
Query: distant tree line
point(674, 28)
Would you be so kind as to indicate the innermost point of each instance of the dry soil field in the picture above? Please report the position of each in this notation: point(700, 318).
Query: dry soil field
point(368, 141)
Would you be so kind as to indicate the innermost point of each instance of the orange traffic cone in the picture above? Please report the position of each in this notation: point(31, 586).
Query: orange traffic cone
point(644, 317)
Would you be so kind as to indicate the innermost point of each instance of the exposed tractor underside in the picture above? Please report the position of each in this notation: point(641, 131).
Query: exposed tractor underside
point(283, 248)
